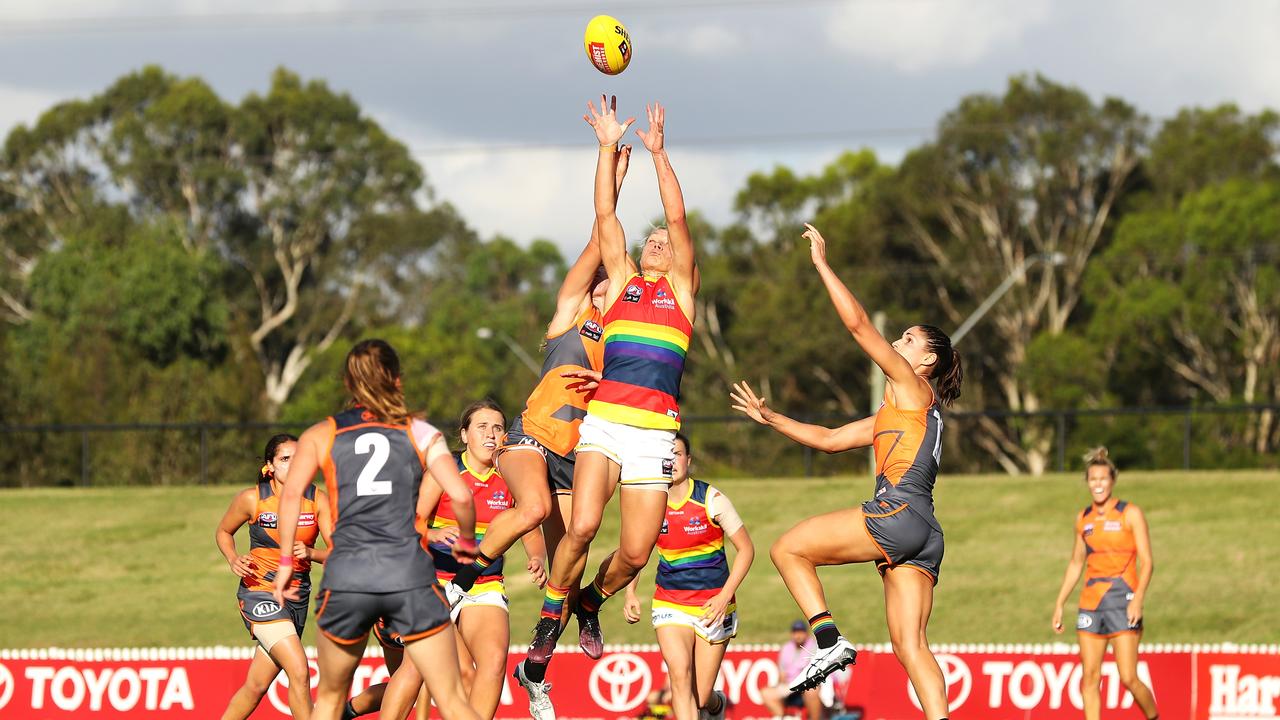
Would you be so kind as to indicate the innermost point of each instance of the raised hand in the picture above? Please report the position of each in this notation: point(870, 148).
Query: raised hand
point(620, 169)
point(746, 402)
point(653, 138)
point(817, 245)
point(608, 130)
point(585, 381)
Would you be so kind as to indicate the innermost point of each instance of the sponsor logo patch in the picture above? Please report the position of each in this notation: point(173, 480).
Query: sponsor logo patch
point(632, 294)
point(267, 519)
point(666, 527)
point(591, 330)
point(668, 467)
point(1084, 621)
point(265, 608)
point(1112, 526)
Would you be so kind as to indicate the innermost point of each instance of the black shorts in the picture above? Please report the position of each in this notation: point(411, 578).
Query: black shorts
point(386, 638)
point(903, 536)
point(346, 617)
point(1111, 617)
point(559, 467)
point(258, 607)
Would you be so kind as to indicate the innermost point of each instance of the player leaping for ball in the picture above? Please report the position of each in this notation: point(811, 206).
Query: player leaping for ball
point(628, 436)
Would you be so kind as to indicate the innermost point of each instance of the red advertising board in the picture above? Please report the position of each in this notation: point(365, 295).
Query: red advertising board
point(984, 683)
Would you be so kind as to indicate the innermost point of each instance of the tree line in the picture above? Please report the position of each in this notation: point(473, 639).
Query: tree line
point(171, 256)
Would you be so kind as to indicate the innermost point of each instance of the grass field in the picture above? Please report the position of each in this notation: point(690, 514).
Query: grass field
point(138, 567)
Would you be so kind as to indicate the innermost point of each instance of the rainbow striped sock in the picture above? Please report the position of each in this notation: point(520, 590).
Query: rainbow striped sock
point(824, 629)
point(467, 575)
point(592, 598)
point(553, 602)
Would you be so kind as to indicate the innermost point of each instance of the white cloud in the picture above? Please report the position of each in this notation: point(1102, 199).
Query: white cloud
point(23, 105)
point(917, 35)
point(699, 40)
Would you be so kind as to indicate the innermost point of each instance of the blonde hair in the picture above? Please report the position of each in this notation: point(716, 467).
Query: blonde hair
point(371, 376)
point(1099, 456)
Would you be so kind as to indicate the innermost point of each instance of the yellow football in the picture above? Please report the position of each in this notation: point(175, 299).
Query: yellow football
point(608, 44)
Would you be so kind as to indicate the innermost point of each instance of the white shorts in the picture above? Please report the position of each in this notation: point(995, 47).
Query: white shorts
point(492, 598)
point(721, 633)
point(647, 456)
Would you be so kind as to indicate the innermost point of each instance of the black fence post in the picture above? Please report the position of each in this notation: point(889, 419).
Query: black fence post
point(204, 455)
point(1062, 442)
point(84, 458)
point(1186, 440)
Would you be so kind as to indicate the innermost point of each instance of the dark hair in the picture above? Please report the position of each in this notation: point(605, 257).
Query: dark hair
point(269, 453)
point(477, 406)
point(688, 449)
point(600, 275)
point(948, 371)
point(371, 372)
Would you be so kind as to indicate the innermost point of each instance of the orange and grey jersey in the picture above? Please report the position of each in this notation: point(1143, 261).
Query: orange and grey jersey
point(1111, 555)
point(373, 471)
point(555, 409)
point(264, 539)
point(908, 450)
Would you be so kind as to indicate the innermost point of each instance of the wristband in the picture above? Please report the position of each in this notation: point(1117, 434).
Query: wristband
point(466, 543)
point(286, 561)
point(611, 147)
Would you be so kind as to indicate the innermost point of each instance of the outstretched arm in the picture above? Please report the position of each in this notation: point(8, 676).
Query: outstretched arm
point(576, 287)
point(856, 434)
point(896, 368)
point(613, 243)
point(683, 262)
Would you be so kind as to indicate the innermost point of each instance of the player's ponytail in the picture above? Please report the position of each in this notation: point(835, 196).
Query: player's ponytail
point(269, 454)
point(1100, 456)
point(372, 376)
point(948, 370)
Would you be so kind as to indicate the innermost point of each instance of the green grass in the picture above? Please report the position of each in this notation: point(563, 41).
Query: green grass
point(138, 567)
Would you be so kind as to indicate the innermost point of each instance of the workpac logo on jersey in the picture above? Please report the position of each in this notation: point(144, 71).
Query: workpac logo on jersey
point(592, 330)
point(632, 294)
point(267, 520)
point(695, 526)
point(662, 299)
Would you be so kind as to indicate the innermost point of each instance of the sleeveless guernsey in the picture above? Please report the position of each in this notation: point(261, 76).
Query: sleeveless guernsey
point(646, 338)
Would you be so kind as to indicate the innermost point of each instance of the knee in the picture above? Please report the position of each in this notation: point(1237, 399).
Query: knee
point(468, 674)
point(1090, 678)
point(299, 677)
point(257, 688)
point(1129, 678)
point(533, 512)
point(680, 679)
point(633, 559)
point(583, 530)
point(907, 645)
point(778, 552)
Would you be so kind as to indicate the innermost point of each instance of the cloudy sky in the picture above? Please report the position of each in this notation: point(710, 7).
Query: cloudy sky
point(489, 93)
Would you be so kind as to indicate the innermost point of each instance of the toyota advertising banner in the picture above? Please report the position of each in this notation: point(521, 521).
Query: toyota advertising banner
point(984, 683)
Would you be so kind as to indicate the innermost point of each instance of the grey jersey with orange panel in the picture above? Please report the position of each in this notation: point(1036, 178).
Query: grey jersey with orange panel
point(373, 471)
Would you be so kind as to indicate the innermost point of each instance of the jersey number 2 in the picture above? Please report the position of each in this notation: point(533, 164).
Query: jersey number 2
point(368, 482)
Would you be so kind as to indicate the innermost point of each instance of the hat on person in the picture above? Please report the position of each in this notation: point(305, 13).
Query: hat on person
point(799, 625)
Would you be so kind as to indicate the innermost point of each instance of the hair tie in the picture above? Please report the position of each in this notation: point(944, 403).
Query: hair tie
point(266, 470)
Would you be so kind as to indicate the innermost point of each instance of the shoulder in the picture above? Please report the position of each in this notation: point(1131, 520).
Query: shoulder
point(247, 497)
point(424, 433)
point(321, 431)
point(1133, 513)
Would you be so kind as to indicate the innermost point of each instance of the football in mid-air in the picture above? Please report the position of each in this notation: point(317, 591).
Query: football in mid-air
point(608, 44)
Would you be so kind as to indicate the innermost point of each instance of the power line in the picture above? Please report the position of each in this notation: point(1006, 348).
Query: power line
point(369, 16)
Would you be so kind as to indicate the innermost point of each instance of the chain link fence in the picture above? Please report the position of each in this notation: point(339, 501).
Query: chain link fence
point(1238, 436)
